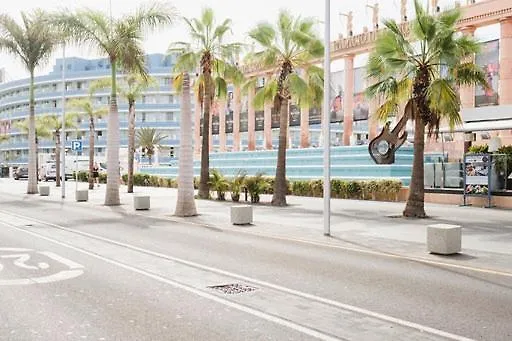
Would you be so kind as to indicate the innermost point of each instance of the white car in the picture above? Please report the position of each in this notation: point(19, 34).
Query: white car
point(48, 171)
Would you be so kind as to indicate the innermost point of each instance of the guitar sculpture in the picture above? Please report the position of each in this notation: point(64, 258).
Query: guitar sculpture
point(383, 147)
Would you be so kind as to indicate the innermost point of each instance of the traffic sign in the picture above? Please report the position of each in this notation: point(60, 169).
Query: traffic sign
point(76, 145)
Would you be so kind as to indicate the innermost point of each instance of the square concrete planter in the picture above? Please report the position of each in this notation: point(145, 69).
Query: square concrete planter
point(241, 215)
point(82, 195)
point(141, 202)
point(444, 239)
point(44, 190)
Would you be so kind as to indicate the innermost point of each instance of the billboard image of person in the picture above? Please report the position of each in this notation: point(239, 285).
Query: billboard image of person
point(488, 60)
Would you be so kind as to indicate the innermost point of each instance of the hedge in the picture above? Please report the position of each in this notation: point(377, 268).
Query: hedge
point(386, 190)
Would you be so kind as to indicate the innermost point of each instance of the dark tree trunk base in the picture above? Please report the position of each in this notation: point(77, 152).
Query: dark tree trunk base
point(413, 210)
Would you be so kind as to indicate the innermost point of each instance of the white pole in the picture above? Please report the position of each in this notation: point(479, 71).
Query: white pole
point(63, 129)
point(327, 120)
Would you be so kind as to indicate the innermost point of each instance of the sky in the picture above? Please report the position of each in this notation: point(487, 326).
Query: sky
point(244, 14)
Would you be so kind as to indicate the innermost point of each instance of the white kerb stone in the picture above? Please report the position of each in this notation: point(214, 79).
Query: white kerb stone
point(44, 190)
point(82, 195)
point(141, 202)
point(444, 239)
point(241, 215)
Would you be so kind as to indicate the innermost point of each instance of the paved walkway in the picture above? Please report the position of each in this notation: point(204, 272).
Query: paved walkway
point(361, 225)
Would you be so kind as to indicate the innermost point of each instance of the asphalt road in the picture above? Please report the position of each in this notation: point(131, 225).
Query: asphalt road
point(105, 274)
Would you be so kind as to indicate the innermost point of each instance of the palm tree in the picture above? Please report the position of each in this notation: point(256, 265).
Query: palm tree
point(148, 139)
point(286, 48)
point(85, 107)
point(131, 90)
point(215, 60)
point(185, 205)
point(121, 40)
point(54, 125)
point(425, 70)
point(32, 42)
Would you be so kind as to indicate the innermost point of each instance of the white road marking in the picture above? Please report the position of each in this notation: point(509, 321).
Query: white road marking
point(258, 313)
point(70, 264)
point(60, 276)
point(13, 249)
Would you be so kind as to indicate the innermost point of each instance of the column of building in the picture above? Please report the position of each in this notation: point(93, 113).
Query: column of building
point(251, 117)
point(197, 127)
point(237, 106)
point(267, 129)
point(505, 87)
point(304, 126)
point(348, 99)
point(222, 125)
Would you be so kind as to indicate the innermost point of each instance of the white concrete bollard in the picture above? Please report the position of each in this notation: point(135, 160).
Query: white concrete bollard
point(141, 202)
point(44, 190)
point(241, 215)
point(82, 195)
point(444, 239)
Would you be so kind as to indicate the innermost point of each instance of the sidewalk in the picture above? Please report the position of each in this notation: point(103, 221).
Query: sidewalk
point(362, 225)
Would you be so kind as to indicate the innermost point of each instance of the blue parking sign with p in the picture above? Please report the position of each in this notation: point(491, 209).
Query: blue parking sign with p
point(76, 145)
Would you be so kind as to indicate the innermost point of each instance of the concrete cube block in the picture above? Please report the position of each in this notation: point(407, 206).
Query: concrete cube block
point(141, 202)
point(444, 239)
point(241, 214)
point(44, 190)
point(82, 195)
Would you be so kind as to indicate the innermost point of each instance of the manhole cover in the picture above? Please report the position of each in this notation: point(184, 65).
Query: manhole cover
point(233, 288)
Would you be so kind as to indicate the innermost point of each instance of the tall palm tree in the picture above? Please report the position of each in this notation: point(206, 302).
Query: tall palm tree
point(54, 124)
point(85, 107)
point(121, 40)
point(131, 89)
point(215, 59)
point(424, 70)
point(185, 205)
point(287, 47)
point(32, 42)
point(148, 139)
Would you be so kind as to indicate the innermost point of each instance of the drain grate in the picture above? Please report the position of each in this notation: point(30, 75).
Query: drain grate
point(232, 288)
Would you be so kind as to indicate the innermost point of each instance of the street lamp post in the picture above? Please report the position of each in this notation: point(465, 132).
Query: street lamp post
point(63, 128)
point(327, 121)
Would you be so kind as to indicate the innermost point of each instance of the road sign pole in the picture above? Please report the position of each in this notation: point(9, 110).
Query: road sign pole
point(63, 128)
point(327, 121)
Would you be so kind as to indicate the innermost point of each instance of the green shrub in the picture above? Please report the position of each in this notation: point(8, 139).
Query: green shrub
point(316, 188)
point(256, 185)
point(479, 149)
point(219, 184)
point(236, 185)
point(353, 190)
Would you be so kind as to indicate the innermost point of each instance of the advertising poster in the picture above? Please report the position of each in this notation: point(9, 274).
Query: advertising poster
point(477, 168)
point(215, 112)
point(488, 60)
point(361, 107)
point(244, 113)
point(294, 115)
point(361, 104)
point(337, 79)
point(229, 113)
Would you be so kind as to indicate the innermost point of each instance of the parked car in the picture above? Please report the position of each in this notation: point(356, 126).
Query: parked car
point(21, 173)
point(48, 171)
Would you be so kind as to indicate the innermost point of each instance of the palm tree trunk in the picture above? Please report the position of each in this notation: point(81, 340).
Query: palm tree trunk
point(280, 188)
point(415, 206)
point(57, 158)
point(113, 136)
point(91, 151)
point(32, 148)
point(204, 188)
point(131, 143)
point(186, 205)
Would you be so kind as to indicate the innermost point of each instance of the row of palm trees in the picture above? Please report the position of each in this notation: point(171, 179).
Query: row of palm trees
point(424, 69)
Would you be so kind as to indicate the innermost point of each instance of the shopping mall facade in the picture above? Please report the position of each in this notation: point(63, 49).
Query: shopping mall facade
point(237, 125)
